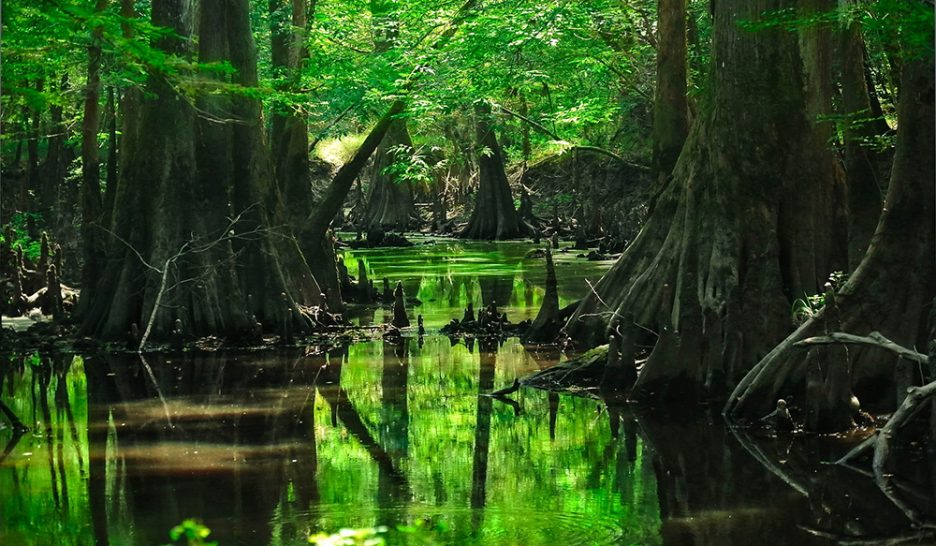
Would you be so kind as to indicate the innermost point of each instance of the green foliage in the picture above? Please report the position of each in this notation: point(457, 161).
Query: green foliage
point(18, 228)
point(411, 165)
point(809, 306)
point(337, 151)
point(192, 533)
point(854, 124)
point(905, 26)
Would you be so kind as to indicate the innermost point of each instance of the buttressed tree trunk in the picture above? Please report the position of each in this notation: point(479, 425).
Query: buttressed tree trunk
point(738, 231)
point(390, 205)
point(174, 251)
point(494, 215)
point(890, 289)
point(670, 107)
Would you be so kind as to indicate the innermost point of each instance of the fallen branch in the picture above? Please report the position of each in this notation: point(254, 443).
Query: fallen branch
point(874, 339)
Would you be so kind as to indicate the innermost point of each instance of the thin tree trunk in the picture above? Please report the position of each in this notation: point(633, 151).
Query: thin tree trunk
point(289, 134)
point(111, 187)
point(670, 107)
point(863, 166)
point(91, 206)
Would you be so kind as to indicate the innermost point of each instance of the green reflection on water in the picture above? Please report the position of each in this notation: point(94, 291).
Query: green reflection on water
point(446, 274)
point(257, 454)
point(268, 449)
point(43, 477)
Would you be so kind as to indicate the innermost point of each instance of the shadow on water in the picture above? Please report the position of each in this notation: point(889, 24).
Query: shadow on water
point(722, 486)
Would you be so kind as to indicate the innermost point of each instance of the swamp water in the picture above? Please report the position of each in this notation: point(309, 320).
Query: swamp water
point(269, 448)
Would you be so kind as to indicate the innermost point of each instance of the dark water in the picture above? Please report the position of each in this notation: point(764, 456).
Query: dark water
point(271, 448)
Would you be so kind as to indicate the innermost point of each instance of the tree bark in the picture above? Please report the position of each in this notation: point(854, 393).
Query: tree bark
point(739, 230)
point(193, 203)
point(390, 205)
point(289, 134)
point(494, 216)
point(670, 107)
point(110, 187)
point(91, 206)
point(863, 166)
point(889, 290)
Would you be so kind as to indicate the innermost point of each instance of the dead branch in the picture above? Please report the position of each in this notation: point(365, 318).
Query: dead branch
point(874, 339)
point(915, 401)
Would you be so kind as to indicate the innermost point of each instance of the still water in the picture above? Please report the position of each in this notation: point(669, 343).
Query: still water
point(270, 448)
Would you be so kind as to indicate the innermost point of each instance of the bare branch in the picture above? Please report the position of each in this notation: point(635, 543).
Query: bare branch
point(874, 339)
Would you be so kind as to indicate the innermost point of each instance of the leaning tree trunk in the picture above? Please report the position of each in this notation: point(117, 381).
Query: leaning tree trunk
point(670, 107)
point(175, 253)
point(738, 230)
point(494, 216)
point(391, 202)
point(890, 289)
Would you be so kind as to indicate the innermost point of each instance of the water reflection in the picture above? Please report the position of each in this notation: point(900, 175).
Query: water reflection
point(447, 274)
point(268, 449)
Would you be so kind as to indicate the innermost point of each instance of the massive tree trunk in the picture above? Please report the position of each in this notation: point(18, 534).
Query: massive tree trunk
point(390, 205)
point(92, 236)
point(494, 215)
point(889, 290)
point(739, 230)
point(670, 107)
point(176, 253)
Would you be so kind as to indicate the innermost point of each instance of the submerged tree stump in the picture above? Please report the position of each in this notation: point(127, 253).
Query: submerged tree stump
point(400, 320)
point(546, 325)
